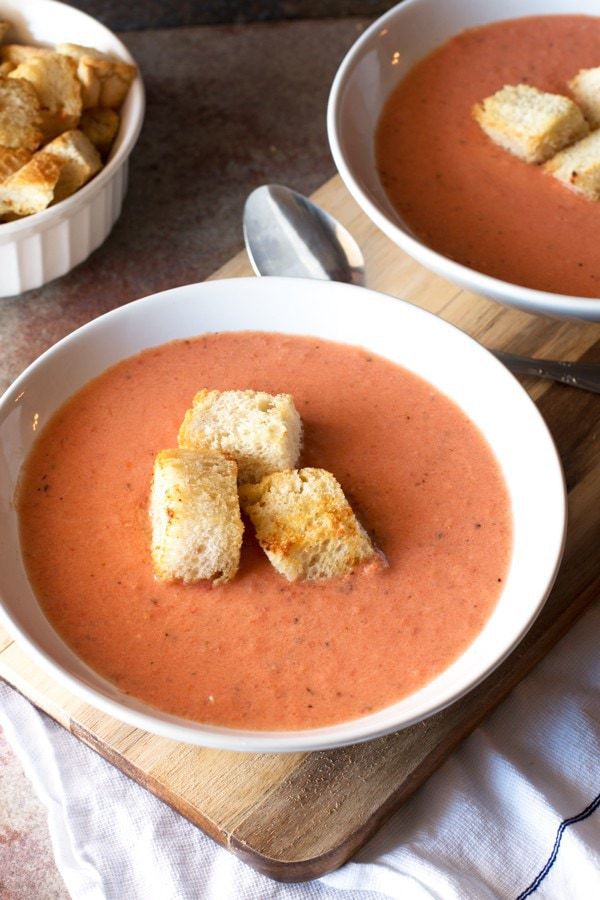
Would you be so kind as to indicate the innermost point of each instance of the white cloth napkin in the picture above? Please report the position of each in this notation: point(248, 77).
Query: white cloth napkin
point(512, 813)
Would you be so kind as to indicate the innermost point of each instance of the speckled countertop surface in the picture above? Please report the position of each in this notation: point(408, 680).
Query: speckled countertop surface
point(228, 108)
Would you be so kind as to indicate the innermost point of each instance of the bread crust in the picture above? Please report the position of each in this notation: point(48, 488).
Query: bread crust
point(80, 161)
point(31, 188)
point(11, 160)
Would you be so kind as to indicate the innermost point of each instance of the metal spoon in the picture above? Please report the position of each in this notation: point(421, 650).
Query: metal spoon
point(287, 234)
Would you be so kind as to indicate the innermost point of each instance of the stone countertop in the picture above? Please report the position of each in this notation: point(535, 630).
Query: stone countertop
point(228, 108)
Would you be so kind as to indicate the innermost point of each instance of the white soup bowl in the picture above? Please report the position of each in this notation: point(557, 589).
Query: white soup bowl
point(426, 345)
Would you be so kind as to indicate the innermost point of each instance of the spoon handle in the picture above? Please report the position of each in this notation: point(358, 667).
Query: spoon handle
point(575, 374)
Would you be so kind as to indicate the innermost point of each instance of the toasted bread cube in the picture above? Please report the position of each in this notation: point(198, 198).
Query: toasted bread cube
point(12, 160)
point(305, 525)
point(578, 167)
point(585, 87)
point(19, 53)
point(6, 68)
point(80, 160)
point(79, 51)
point(262, 432)
point(86, 73)
point(19, 115)
point(195, 514)
point(530, 123)
point(31, 188)
point(104, 82)
point(111, 79)
point(54, 78)
point(101, 126)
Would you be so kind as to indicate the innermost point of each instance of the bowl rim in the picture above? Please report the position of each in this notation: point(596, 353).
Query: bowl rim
point(133, 124)
point(530, 299)
point(356, 730)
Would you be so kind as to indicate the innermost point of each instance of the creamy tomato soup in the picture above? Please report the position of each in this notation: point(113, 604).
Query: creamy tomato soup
point(468, 198)
point(260, 652)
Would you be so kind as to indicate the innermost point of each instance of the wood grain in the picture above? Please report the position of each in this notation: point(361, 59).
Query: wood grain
point(296, 816)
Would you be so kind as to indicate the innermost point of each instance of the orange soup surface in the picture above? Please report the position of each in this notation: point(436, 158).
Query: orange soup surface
point(260, 652)
point(466, 197)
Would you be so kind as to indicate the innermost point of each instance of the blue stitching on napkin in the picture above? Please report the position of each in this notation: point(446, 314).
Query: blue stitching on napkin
point(561, 828)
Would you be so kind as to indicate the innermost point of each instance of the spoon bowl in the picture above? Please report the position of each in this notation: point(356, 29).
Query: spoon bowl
point(286, 234)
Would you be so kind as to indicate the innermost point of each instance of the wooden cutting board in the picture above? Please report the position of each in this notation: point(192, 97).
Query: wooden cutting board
point(297, 816)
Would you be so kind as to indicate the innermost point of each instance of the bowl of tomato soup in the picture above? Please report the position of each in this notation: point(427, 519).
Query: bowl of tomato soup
point(407, 146)
point(445, 460)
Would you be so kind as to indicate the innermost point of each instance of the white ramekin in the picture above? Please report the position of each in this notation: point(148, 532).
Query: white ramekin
point(39, 248)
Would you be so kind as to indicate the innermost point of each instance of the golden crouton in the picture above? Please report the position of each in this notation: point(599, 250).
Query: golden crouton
point(31, 188)
point(20, 53)
point(101, 126)
point(305, 525)
point(585, 87)
point(578, 167)
point(195, 515)
point(6, 68)
point(55, 81)
point(104, 82)
point(530, 123)
point(80, 160)
point(19, 115)
point(78, 51)
point(11, 160)
point(262, 432)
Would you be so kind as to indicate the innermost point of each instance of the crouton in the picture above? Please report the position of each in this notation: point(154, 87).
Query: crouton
point(80, 160)
point(11, 160)
point(101, 126)
point(31, 188)
point(262, 432)
point(55, 81)
point(6, 68)
point(20, 53)
point(305, 525)
point(578, 167)
point(19, 115)
point(110, 79)
point(104, 82)
point(585, 87)
point(530, 123)
point(78, 51)
point(195, 515)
